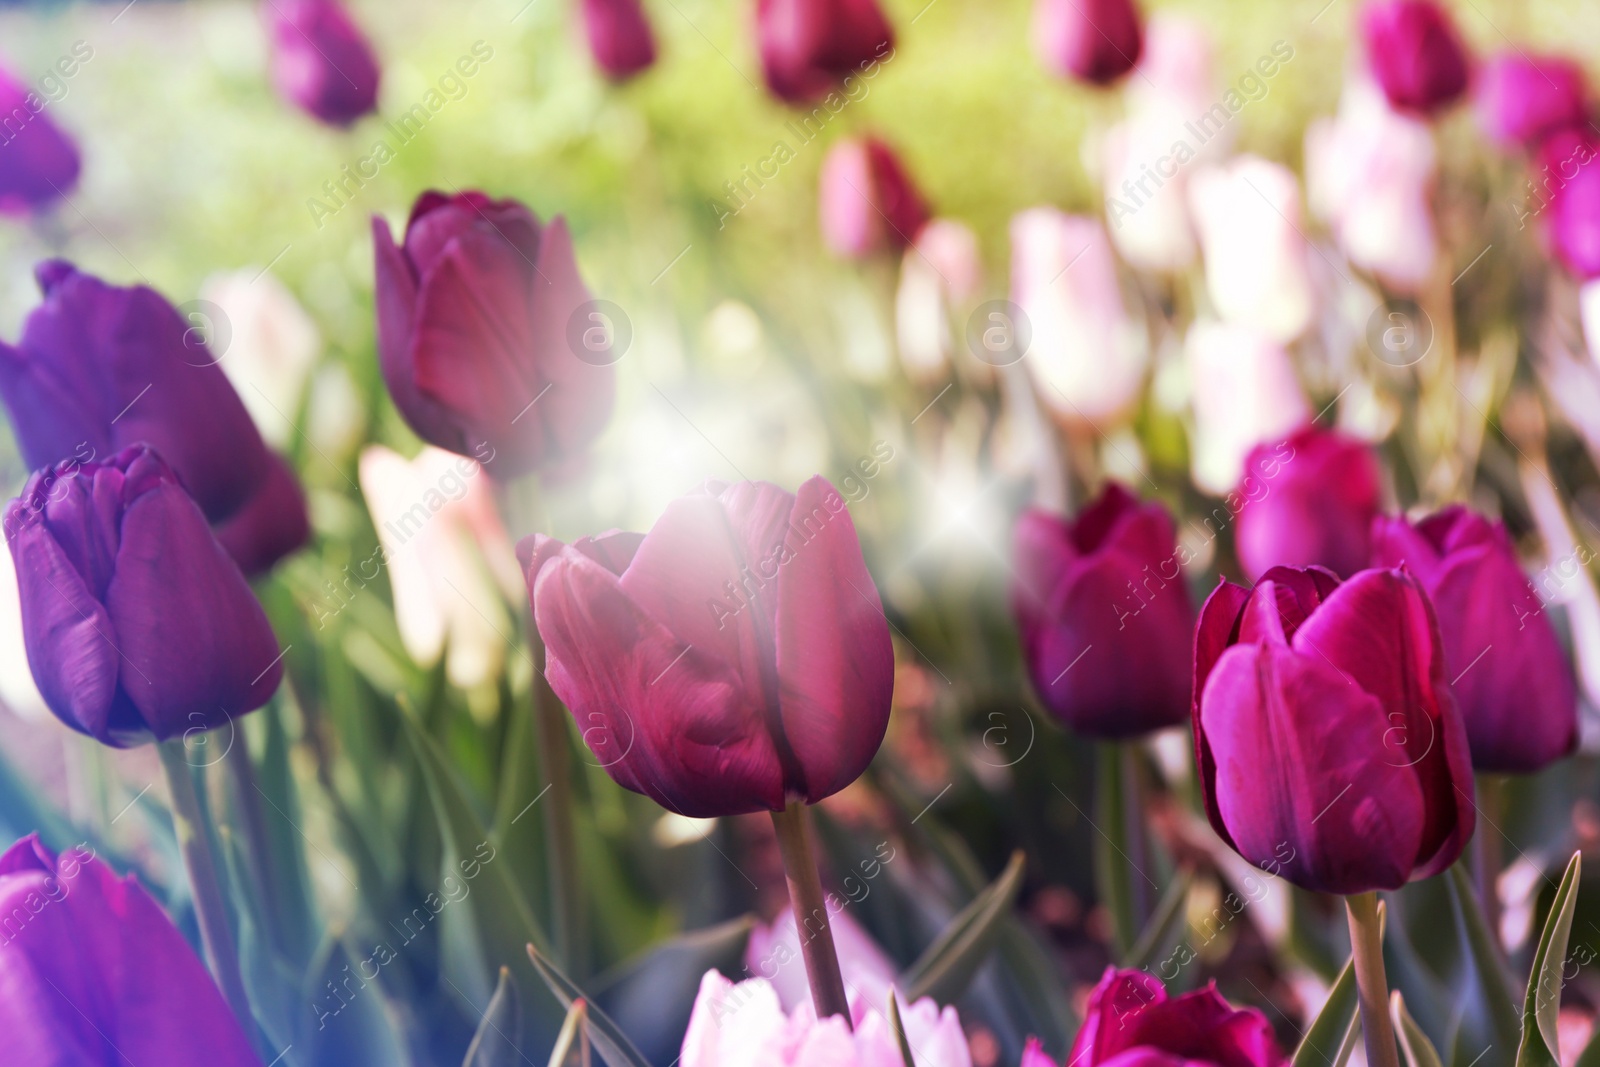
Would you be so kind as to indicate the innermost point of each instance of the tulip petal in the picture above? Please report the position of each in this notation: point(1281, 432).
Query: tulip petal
point(272, 524)
point(582, 391)
point(395, 293)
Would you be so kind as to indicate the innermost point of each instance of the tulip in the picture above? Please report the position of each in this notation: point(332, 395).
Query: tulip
point(1095, 41)
point(477, 317)
point(1086, 354)
point(810, 46)
point(1311, 499)
point(867, 201)
point(1571, 165)
point(1520, 99)
point(1589, 311)
point(1104, 616)
point(137, 623)
point(1249, 221)
point(272, 524)
point(942, 269)
point(1131, 1019)
point(732, 658)
point(619, 36)
point(38, 162)
point(265, 343)
point(96, 975)
point(1244, 392)
point(773, 953)
point(1415, 53)
point(321, 61)
point(744, 1025)
point(1509, 676)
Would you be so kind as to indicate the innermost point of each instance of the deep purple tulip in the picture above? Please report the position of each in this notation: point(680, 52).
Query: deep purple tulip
point(482, 313)
point(1521, 99)
point(810, 46)
point(100, 367)
point(619, 36)
point(272, 524)
point(321, 61)
point(1415, 54)
point(1132, 1022)
point(1330, 749)
point(1568, 171)
point(1505, 664)
point(38, 162)
point(734, 657)
point(1104, 616)
point(137, 623)
point(96, 975)
point(1094, 41)
point(867, 200)
point(1309, 501)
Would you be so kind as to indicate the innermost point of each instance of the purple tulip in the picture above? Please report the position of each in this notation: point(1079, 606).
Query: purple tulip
point(1521, 99)
point(272, 524)
point(619, 36)
point(1105, 616)
point(1569, 172)
point(867, 200)
point(810, 46)
point(137, 623)
point(38, 162)
point(96, 975)
point(1309, 501)
point(1094, 41)
point(1330, 749)
point(732, 658)
point(1415, 54)
point(321, 61)
point(480, 313)
point(1509, 675)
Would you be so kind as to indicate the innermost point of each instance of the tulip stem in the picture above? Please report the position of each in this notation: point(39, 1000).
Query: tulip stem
point(1366, 949)
point(566, 898)
point(1120, 843)
point(1488, 856)
point(194, 841)
point(810, 912)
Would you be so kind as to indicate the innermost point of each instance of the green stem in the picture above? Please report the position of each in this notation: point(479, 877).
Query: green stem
point(195, 844)
point(247, 798)
point(810, 912)
point(1487, 856)
point(1366, 949)
point(566, 898)
point(1115, 846)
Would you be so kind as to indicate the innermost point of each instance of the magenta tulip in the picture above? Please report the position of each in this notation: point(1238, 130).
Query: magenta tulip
point(810, 46)
point(732, 659)
point(1104, 616)
point(39, 164)
point(619, 37)
point(480, 316)
point(1415, 54)
point(321, 61)
point(1569, 173)
point(1330, 749)
point(1521, 99)
point(867, 200)
point(1310, 501)
point(1509, 675)
point(1094, 41)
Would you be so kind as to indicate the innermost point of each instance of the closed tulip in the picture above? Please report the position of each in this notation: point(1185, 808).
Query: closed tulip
point(1094, 41)
point(1415, 53)
point(942, 271)
point(137, 623)
point(321, 61)
point(810, 46)
point(619, 37)
point(272, 525)
point(1521, 98)
point(476, 317)
point(1252, 236)
point(39, 164)
point(1571, 174)
point(1311, 499)
point(1244, 392)
point(732, 659)
point(96, 975)
point(1509, 675)
point(868, 201)
point(1104, 615)
point(1131, 1020)
point(1329, 748)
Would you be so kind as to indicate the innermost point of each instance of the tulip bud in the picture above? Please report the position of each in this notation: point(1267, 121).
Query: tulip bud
point(867, 200)
point(38, 162)
point(1131, 1019)
point(1094, 41)
point(1509, 676)
point(1330, 750)
point(1570, 173)
point(1309, 500)
point(85, 954)
point(1244, 392)
point(731, 659)
point(138, 624)
point(1415, 53)
point(1251, 232)
point(943, 269)
point(321, 61)
point(1104, 616)
point(272, 524)
point(810, 46)
point(619, 36)
point(1520, 99)
point(475, 316)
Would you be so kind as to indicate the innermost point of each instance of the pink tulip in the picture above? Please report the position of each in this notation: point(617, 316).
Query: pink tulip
point(1311, 501)
point(1415, 53)
point(1094, 41)
point(619, 36)
point(1245, 392)
point(773, 953)
point(1252, 234)
point(868, 201)
point(1520, 98)
point(810, 46)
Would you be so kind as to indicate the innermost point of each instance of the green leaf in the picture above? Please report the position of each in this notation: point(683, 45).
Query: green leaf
point(500, 1032)
point(1326, 1033)
point(1486, 1014)
point(899, 1028)
point(944, 969)
point(1540, 1045)
point(607, 1036)
point(1114, 868)
point(1414, 1044)
point(1158, 932)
